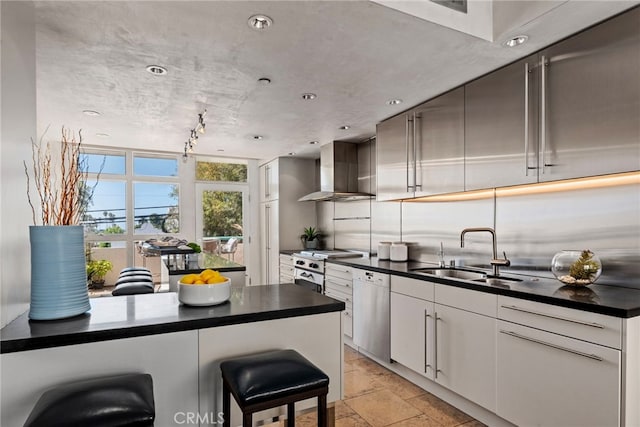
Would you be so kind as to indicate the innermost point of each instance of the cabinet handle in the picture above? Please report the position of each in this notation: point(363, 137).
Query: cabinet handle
point(416, 118)
point(548, 344)
point(543, 111)
point(426, 365)
point(566, 319)
point(527, 71)
point(435, 344)
point(406, 146)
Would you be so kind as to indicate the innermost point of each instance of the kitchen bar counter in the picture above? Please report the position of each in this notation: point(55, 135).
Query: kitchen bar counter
point(150, 314)
point(597, 298)
point(181, 347)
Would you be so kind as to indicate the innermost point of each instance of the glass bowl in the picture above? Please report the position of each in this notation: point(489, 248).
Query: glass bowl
point(576, 268)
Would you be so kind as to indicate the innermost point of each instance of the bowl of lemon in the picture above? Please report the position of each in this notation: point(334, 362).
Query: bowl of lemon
point(204, 289)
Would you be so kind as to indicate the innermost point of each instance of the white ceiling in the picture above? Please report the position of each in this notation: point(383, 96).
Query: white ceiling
point(355, 55)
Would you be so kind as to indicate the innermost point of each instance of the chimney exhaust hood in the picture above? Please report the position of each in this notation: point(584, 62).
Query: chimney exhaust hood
point(338, 174)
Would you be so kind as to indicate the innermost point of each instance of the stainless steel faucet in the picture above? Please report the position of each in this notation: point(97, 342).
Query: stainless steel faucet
point(495, 262)
point(441, 263)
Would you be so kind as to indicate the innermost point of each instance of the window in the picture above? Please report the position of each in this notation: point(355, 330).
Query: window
point(154, 166)
point(111, 164)
point(156, 208)
point(106, 208)
point(221, 171)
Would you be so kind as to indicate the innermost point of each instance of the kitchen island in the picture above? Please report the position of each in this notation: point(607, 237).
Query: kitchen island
point(180, 346)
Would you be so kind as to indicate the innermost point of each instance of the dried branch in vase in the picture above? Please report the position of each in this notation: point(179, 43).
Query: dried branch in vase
point(63, 196)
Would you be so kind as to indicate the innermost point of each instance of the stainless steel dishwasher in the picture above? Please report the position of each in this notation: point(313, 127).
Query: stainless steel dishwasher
point(371, 293)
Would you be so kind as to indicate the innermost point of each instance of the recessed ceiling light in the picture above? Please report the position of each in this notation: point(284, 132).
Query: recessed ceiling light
point(156, 70)
point(264, 80)
point(309, 96)
point(345, 127)
point(220, 149)
point(314, 142)
point(258, 137)
point(102, 135)
point(90, 113)
point(516, 41)
point(394, 102)
point(260, 22)
point(291, 153)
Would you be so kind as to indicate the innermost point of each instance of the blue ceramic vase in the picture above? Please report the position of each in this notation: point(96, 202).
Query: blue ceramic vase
point(58, 272)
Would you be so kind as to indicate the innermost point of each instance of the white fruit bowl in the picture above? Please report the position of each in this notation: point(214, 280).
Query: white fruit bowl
point(203, 295)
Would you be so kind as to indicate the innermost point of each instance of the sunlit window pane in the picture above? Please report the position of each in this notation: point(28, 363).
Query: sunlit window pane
point(156, 208)
point(113, 164)
point(105, 207)
point(153, 166)
point(228, 172)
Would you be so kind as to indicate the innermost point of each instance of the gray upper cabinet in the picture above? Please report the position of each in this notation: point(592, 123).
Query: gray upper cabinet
point(392, 151)
point(590, 102)
point(439, 145)
point(421, 152)
point(500, 133)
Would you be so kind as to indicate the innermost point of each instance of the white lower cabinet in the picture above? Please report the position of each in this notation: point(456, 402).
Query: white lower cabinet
point(465, 361)
point(409, 318)
point(558, 366)
point(545, 379)
point(338, 284)
point(452, 346)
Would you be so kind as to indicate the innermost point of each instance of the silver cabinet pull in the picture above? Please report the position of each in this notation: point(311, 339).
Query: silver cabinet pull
point(426, 365)
point(548, 344)
point(406, 144)
point(435, 346)
point(543, 111)
point(527, 71)
point(417, 118)
point(566, 319)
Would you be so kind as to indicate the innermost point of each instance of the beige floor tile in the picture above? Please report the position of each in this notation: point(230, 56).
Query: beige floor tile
point(349, 366)
point(370, 367)
point(351, 354)
point(357, 383)
point(399, 386)
point(419, 421)
point(382, 408)
point(342, 410)
point(309, 419)
point(473, 423)
point(439, 410)
point(352, 421)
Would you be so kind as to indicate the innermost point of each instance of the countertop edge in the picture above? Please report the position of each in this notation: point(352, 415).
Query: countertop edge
point(38, 343)
point(599, 309)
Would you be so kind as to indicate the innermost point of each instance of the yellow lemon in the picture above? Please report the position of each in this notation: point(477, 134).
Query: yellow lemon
point(206, 274)
point(199, 282)
point(216, 279)
point(189, 279)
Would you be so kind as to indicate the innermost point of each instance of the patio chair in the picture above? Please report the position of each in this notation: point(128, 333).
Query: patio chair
point(230, 248)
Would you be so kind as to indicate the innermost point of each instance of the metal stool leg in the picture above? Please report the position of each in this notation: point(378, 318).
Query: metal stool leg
point(226, 405)
point(291, 415)
point(322, 410)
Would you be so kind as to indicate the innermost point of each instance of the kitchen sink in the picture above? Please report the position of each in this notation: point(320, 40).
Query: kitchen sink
point(452, 273)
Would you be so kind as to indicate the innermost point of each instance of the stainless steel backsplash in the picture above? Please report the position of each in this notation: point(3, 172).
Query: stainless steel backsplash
point(530, 229)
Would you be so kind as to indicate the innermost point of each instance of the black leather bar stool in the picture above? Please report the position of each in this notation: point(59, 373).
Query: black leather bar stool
point(122, 400)
point(272, 379)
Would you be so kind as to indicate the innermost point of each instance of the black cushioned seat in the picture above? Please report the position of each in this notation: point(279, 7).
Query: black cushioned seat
point(132, 288)
point(122, 400)
point(271, 379)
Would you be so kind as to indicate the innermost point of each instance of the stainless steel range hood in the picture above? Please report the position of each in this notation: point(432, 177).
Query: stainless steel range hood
point(338, 174)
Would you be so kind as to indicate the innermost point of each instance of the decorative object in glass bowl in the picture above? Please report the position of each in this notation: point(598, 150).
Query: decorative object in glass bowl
point(576, 268)
point(204, 289)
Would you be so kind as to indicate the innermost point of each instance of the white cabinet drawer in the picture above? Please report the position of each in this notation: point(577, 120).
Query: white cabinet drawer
point(286, 269)
point(583, 325)
point(466, 299)
point(286, 260)
point(347, 319)
point(412, 287)
point(337, 270)
point(341, 284)
point(337, 294)
point(545, 379)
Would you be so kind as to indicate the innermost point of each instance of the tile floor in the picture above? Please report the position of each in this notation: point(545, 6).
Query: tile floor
point(376, 397)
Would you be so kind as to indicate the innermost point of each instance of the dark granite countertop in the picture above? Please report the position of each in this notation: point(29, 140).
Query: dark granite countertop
point(600, 298)
point(150, 314)
point(195, 264)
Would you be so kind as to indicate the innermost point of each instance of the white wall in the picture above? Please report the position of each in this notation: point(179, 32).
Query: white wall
point(18, 126)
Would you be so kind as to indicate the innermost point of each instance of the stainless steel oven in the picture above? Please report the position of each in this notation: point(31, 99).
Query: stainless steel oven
point(308, 271)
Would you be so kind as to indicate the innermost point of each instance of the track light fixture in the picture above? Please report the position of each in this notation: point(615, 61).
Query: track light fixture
point(193, 136)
